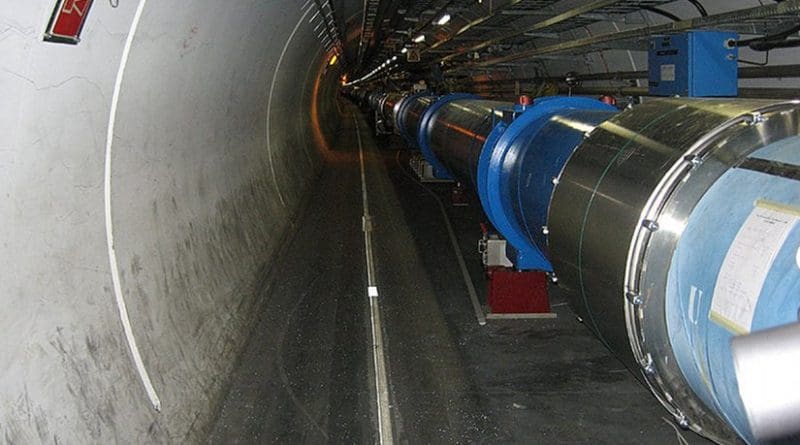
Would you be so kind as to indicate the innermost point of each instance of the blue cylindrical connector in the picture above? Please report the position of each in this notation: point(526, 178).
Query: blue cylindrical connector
point(521, 163)
point(511, 154)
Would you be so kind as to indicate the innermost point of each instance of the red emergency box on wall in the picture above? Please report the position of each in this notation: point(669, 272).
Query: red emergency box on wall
point(67, 21)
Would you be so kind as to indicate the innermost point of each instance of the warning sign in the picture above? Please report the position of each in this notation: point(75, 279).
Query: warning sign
point(67, 21)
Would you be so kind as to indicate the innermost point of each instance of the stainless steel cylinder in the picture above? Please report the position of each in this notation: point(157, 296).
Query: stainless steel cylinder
point(374, 99)
point(458, 131)
point(396, 110)
point(622, 206)
point(387, 106)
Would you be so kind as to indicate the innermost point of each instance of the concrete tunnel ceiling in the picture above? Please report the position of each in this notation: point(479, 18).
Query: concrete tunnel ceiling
point(153, 172)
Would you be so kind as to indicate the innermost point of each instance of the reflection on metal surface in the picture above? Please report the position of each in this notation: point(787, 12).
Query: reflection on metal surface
point(573, 124)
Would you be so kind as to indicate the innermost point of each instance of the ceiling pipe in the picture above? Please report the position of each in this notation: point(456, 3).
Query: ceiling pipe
point(785, 7)
point(497, 10)
point(746, 93)
point(597, 4)
point(750, 72)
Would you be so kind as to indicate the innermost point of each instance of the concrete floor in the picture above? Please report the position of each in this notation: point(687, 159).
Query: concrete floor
point(306, 375)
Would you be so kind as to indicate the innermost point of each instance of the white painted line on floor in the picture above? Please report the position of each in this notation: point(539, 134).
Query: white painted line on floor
point(112, 254)
point(378, 353)
point(473, 295)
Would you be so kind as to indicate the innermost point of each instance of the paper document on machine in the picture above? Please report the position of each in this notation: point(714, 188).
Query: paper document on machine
point(747, 264)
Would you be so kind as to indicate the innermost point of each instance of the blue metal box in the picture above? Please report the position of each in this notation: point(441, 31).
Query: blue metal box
point(693, 64)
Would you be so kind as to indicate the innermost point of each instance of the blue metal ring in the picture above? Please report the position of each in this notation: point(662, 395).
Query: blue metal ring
point(423, 141)
point(491, 176)
point(401, 112)
point(483, 164)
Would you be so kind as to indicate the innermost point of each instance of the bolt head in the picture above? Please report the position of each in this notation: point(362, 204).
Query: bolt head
point(650, 225)
point(693, 159)
point(756, 118)
point(634, 298)
point(647, 364)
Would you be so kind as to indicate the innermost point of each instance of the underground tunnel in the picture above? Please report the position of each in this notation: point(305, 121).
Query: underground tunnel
point(393, 221)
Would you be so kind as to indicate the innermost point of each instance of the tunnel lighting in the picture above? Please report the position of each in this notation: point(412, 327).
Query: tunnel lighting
point(394, 58)
point(404, 50)
point(333, 60)
point(419, 39)
point(444, 19)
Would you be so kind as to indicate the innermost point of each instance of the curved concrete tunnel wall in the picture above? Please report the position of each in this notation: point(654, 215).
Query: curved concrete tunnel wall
point(214, 149)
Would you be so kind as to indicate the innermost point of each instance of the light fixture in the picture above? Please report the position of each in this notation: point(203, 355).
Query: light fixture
point(394, 58)
point(404, 50)
point(443, 19)
point(419, 39)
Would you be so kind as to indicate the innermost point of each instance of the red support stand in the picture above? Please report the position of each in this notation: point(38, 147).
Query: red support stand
point(513, 292)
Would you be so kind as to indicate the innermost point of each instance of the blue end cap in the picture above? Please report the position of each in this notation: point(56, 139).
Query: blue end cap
point(423, 141)
point(483, 166)
point(496, 193)
point(700, 343)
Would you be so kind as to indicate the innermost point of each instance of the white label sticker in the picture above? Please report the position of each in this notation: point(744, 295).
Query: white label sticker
point(747, 264)
point(668, 73)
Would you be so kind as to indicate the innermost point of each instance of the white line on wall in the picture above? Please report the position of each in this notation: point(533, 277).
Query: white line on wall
point(269, 105)
point(314, 62)
point(112, 256)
